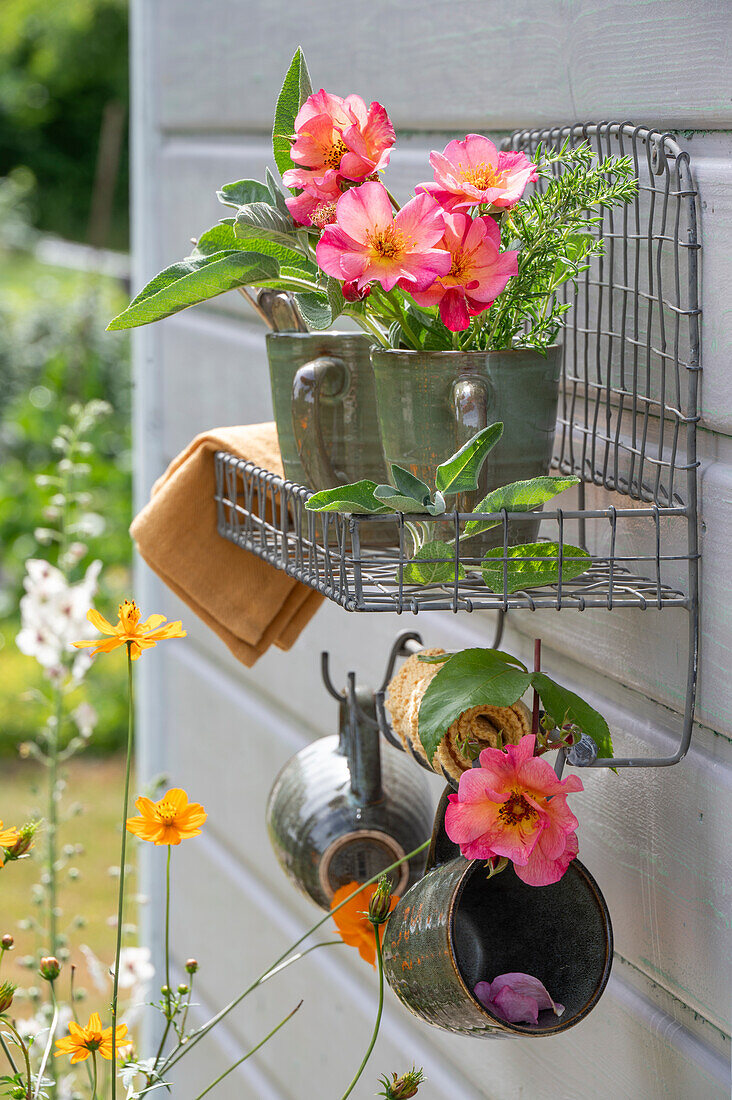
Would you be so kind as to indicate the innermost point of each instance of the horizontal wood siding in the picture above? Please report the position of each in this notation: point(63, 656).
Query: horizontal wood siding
point(205, 77)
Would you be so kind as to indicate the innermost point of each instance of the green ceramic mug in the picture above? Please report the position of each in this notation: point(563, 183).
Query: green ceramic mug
point(431, 403)
point(325, 408)
point(457, 927)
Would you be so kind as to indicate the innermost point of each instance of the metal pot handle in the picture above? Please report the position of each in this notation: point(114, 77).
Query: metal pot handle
point(307, 387)
point(441, 849)
point(472, 398)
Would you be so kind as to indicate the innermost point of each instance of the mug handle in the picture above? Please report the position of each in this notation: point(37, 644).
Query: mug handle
point(441, 849)
point(471, 400)
point(307, 386)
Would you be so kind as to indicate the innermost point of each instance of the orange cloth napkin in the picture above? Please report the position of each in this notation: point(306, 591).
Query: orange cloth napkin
point(246, 601)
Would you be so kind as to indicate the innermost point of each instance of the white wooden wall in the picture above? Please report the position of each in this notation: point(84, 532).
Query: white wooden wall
point(206, 73)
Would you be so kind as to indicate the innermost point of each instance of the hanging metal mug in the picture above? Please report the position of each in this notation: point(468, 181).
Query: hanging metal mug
point(341, 810)
point(457, 927)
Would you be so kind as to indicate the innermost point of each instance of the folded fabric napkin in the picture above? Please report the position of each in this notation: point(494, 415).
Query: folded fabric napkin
point(248, 603)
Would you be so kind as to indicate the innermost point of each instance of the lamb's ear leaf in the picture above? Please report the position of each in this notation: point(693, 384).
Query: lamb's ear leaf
point(468, 679)
point(459, 474)
point(276, 193)
point(434, 563)
point(262, 220)
point(519, 496)
point(218, 238)
point(531, 565)
point(357, 498)
point(295, 90)
point(315, 310)
point(389, 496)
point(409, 485)
point(564, 706)
point(336, 301)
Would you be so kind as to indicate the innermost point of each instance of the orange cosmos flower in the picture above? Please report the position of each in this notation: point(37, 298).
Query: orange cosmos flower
point(168, 821)
point(8, 838)
point(352, 921)
point(92, 1039)
point(128, 628)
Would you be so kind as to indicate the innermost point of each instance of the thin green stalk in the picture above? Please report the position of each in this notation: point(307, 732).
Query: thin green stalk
point(170, 1061)
point(249, 1054)
point(392, 200)
point(5, 1047)
point(368, 326)
point(53, 825)
point(377, 1025)
point(168, 1013)
point(262, 980)
point(75, 1015)
point(94, 1071)
point(184, 1021)
point(24, 1048)
point(122, 864)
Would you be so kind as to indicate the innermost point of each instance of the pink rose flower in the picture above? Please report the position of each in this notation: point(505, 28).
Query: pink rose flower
point(334, 135)
point(473, 171)
point(513, 805)
point(517, 998)
point(315, 205)
point(478, 271)
point(369, 244)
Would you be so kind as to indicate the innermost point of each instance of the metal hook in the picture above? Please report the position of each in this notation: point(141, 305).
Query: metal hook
point(399, 650)
point(325, 673)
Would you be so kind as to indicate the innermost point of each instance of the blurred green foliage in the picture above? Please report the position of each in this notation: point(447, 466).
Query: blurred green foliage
point(54, 351)
point(61, 63)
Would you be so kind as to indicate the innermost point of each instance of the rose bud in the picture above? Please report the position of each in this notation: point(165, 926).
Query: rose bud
point(352, 294)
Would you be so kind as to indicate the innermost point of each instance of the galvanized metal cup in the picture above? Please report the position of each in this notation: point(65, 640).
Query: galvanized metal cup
point(457, 927)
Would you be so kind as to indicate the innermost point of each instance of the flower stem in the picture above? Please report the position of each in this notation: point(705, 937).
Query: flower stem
point(94, 1072)
point(168, 1012)
point(249, 1053)
point(53, 825)
point(276, 964)
point(392, 200)
point(377, 1025)
point(5, 1047)
point(24, 1048)
point(122, 864)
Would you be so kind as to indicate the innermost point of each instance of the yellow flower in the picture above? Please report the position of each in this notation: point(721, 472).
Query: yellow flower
point(128, 628)
point(83, 1041)
point(168, 821)
point(8, 838)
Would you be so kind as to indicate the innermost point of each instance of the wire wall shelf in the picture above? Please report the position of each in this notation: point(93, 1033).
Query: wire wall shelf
point(626, 427)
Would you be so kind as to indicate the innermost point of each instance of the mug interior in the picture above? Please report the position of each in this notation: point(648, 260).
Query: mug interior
point(560, 934)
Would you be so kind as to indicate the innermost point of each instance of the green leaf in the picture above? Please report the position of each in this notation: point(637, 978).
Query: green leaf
point(276, 193)
point(409, 485)
point(423, 569)
point(564, 706)
point(295, 90)
point(287, 257)
point(388, 495)
point(315, 310)
point(193, 280)
point(434, 658)
point(261, 221)
point(355, 498)
point(336, 301)
point(575, 247)
point(459, 474)
point(530, 574)
point(519, 496)
point(243, 192)
point(471, 678)
point(219, 238)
